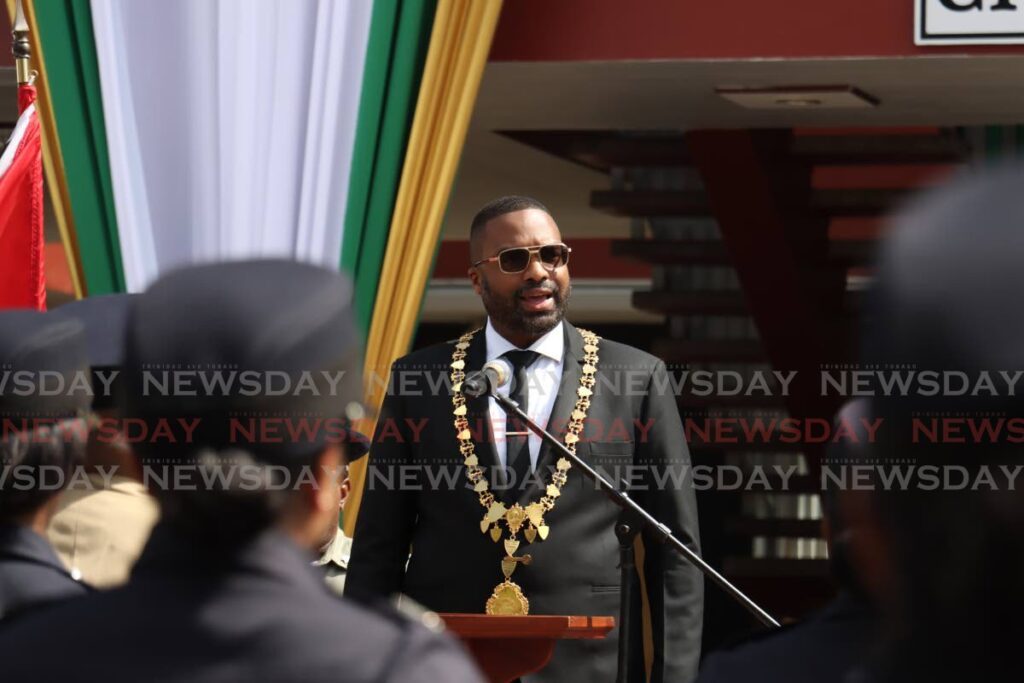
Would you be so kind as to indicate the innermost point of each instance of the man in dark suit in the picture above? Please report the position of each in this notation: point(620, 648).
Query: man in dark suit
point(225, 589)
point(476, 498)
point(42, 440)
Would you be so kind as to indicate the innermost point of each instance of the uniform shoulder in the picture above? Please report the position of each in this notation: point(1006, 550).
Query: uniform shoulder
point(26, 635)
point(408, 644)
point(753, 641)
point(745, 656)
point(402, 614)
point(826, 645)
point(28, 585)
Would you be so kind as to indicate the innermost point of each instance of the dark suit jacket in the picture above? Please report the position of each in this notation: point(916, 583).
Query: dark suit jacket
point(823, 649)
point(189, 613)
point(31, 574)
point(633, 421)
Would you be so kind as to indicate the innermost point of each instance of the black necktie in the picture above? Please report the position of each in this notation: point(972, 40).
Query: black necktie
point(517, 446)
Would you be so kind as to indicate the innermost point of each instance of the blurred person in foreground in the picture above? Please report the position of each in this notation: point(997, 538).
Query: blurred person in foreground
point(335, 546)
point(104, 521)
point(252, 367)
point(947, 561)
point(830, 643)
point(42, 439)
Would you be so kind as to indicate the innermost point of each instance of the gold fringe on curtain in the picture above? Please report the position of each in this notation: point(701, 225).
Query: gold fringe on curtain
point(459, 44)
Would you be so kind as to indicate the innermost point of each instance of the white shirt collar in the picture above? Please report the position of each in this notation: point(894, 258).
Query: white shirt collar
point(551, 345)
point(337, 551)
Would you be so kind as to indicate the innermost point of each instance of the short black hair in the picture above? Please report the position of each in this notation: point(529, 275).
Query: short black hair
point(26, 456)
point(499, 207)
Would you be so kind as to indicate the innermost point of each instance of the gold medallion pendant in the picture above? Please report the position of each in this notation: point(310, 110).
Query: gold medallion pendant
point(508, 598)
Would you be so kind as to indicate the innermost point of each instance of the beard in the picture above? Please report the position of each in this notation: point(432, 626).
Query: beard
point(507, 312)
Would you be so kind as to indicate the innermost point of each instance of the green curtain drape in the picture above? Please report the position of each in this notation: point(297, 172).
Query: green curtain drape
point(65, 29)
point(399, 37)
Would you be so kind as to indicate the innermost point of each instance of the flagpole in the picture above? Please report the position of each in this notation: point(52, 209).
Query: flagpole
point(20, 47)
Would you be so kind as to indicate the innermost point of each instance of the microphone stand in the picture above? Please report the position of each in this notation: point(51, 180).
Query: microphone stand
point(634, 520)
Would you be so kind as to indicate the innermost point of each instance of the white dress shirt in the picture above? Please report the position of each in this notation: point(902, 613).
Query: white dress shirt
point(545, 376)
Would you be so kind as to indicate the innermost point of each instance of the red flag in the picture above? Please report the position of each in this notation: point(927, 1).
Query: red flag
point(22, 275)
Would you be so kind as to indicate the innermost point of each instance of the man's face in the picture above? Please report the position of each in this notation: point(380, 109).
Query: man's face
point(336, 496)
point(529, 303)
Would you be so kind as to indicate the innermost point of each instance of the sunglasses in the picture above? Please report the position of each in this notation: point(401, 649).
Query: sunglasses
point(517, 259)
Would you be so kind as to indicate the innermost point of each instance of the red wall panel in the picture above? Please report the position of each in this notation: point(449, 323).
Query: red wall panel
point(596, 30)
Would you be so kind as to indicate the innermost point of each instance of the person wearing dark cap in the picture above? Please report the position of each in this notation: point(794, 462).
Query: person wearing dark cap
point(104, 521)
point(946, 550)
point(830, 643)
point(43, 404)
point(335, 545)
point(242, 376)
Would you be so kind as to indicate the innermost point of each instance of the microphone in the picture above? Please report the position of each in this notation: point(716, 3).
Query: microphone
point(495, 374)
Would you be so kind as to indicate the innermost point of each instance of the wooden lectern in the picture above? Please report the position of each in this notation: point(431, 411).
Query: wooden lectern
point(506, 648)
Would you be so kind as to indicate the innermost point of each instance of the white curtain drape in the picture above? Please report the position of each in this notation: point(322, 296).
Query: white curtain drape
point(230, 126)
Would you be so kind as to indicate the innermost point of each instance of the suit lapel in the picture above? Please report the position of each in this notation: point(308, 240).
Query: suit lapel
point(565, 402)
point(477, 412)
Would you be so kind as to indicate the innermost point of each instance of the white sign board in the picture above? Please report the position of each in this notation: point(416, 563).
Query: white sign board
point(968, 22)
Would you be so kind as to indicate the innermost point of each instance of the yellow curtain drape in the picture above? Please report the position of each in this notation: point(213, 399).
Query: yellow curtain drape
point(53, 160)
point(459, 44)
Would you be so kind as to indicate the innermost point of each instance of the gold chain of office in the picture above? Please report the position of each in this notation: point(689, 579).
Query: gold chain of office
point(508, 597)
